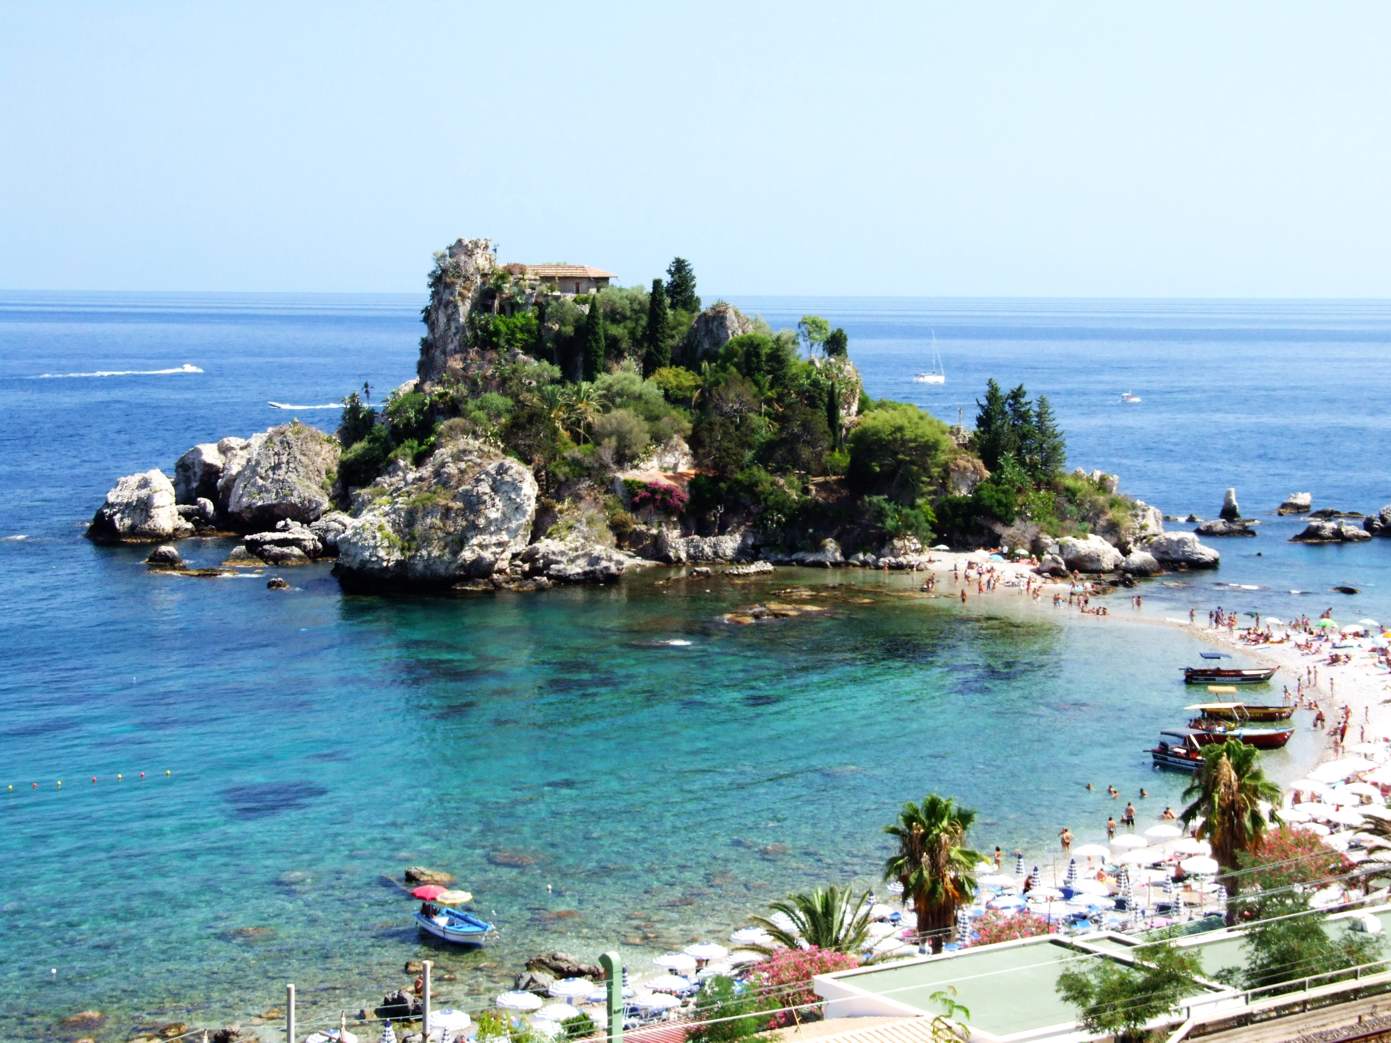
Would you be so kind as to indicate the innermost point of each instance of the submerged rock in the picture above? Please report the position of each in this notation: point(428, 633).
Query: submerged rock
point(1089, 554)
point(289, 543)
point(1181, 550)
point(753, 568)
point(426, 875)
point(288, 474)
point(1326, 513)
point(1295, 503)
point(165, 556)
point(1330, 532)
point(563, 965)
point(139, 508)
point(463, 515)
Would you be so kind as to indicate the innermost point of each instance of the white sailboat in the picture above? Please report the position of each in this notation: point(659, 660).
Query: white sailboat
point(935, 375)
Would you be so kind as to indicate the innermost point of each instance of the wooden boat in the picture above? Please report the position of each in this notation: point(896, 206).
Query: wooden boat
point(455, 926)
point(1206, 730)
point(1226, 675)
point(1235, 711)
point(1176, 750)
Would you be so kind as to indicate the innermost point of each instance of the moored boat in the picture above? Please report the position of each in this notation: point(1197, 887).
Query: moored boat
point(1227, 675)
point(1243, 711)
point(1176, 750)
point(455, 926)
point(1206, 730)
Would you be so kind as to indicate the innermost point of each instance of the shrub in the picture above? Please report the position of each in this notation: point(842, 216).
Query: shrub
point(357, 420)
point(364, 460)
point(898, 451)
point(787, 974)
point(677, 383)
point(659, 496)
point(896, 521)
point(626, 431)
point(736, 1013)
point(409, 416)
point(1285, 858)
point(996, 926)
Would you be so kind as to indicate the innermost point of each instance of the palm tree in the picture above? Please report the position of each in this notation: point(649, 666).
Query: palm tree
point(581, 409)
point(830, 918)
point(932, 862)
point(1226, 796)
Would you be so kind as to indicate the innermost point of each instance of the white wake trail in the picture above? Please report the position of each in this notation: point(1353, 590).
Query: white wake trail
point(187, 367)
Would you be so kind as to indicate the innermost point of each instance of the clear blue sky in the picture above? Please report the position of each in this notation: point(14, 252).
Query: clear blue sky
point(1051, 149)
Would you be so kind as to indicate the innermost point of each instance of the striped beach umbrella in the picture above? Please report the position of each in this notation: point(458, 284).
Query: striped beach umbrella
point(388, 1034)
point(1070, 877)
point(1019, 864)
point(963, 925)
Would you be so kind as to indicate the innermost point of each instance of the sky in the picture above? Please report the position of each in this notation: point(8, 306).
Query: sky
point(916, 149)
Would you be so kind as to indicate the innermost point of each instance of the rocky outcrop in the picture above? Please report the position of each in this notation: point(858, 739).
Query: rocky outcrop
point(1295, 503)
point(289, 543)
point(964, 473)
point(827, 555)
point(1222, 527)
point(753, 568)
point(327, 530)
point(1230, 510)
point(139, 508)
point(686, 550)
point(1140, 563)
point(462, 515)
point(1089, 554)
point(839, 372)
point(165, 556)
point(1379, 524)
point(235, 452)
point(1331, 532)
point(563, 965)
point(713, 328)
point(196, 473)
point(1051, 565)
point(672, 455)
point(1182, 550)
point(201, 514)
point(575, 560)
point(288, 474)
point(458, 278)
point(1107, 483)
point(1328, 513)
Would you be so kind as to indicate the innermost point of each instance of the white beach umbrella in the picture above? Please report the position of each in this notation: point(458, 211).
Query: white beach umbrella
point(721, 969)
point(758, 936)
point(706, 951)
point(1375, 811)
point(1372, 750)
point(655, 1001)
point(1328, 896)
point(1336, 771)
point(995, 880)
point(338, 1035)
point(1345, 817)
point(519, 1001)
point(1006, 902)
point(1310, 786)
point(1363, 789)
point(881, 930)
point(1295, 813)
point(1045, 894)
point(1163, 831)
point(450, 1020)
point(878, 911)
point(1381, 776)
point(1090, 851)
point(1339, 841)
point(1092, 887)
point(1200, 865)
point(744, 957)
point(668, 983)
point(570, 988)
point(1125, 840)
point(1318, 808)
point(1316, 828)
point(557, 1012)
point(1138, 856)
point(680, 962)
point(1190, 846)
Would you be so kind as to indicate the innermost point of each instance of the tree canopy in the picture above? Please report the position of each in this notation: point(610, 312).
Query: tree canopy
point(681, 285)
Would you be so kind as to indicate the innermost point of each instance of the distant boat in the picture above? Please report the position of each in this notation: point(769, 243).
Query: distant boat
point(456, 926)
point(1130, 398)
point(935, 375)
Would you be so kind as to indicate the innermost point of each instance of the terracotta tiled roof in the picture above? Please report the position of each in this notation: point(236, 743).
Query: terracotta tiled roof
point(566, 271)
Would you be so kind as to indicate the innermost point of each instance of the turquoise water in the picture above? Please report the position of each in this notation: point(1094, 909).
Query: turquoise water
point(318, 743)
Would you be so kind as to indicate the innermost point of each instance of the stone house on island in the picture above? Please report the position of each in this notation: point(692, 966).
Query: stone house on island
point(567, 279)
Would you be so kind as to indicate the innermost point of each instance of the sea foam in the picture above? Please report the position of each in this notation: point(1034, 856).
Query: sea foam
point(291, 405)
point(187, 367)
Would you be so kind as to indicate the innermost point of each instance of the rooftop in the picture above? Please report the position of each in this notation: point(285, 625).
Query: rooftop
point(566, 271)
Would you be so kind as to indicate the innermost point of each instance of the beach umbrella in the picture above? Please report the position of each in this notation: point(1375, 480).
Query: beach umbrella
point(995, 880)
point(895, 887)
point(1344, 817)
point(570, 988)
point(1019, 864)
point(1125, 840)
point(881, 930)
point(338, 1035)
point(1200, 865)
point(1091, 851)
point(706, 951)
point(1313, 786)
point(1092, 887)
point(388, 1034)
point(1071, 875)
point(1045, 894)
point(1295, 813)
point(557, 1012)
point(1336, 771)
point(1190, 846)
point(428, 892)
point(655, 1001)
point(1380, 776)
point(1375, 811)
point(1317, 828)
point(680, 962)
point(1138, 856)
point(1325, 623)
point(1164, 831)
point(1006, 902)
point(1362, 789)
point(744, 957)
point(669, 983)
point(758, 936)
point(963, 924)
point(454, 897)
point(450, 1020)
point(519, 1001)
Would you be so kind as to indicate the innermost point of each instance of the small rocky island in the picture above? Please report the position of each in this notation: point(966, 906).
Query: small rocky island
point(560, 430)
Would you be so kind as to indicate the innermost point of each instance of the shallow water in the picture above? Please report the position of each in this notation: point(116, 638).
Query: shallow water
point(318, 743)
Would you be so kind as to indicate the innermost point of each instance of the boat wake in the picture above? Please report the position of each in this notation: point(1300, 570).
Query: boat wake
point(16, 538)
point(676, 642)
point(187, 367)
point(301, 408)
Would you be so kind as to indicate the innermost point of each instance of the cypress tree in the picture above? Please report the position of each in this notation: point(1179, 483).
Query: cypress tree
point(656, 352)
point(992, 426)
point(681, 285)
point(833, 414)
point(592, 343)
point(1050, 448)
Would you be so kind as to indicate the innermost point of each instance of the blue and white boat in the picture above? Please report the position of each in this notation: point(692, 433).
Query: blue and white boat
point(456, 927)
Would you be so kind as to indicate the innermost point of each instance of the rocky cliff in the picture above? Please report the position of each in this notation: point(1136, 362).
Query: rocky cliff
point(456, 286)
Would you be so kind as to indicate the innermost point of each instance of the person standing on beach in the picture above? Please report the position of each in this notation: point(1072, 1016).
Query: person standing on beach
point(1065, 838)
point(999, 857)
point(1128, 815)
point(1110, 828)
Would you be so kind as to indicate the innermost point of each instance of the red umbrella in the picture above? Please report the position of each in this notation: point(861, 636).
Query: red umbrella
point(428, 892)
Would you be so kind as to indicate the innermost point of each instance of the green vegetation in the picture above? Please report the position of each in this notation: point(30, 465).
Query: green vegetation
point(656, 349)
point(724, 1013)
point(834, 918)
point(1113, 998)
point(1290, 942)
point(933, 863)
point(581, 1026)
point(681, 285)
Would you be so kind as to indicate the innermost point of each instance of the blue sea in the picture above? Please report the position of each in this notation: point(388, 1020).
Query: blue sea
point(611, 767)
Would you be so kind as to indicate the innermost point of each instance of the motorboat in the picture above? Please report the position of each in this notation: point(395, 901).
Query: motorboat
point(1130, 398)
point(455, 926)
point(1176, 750)
point(1227, 675)
point(1205, 730)
point(1235, 711)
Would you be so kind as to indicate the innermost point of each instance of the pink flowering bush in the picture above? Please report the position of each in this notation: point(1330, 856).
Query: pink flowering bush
point(660, 496)
point(790, 972)
point(997, 926)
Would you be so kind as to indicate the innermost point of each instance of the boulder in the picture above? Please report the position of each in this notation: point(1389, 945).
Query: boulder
point(1051, 565)
point(274, 547)
point(1222, 527)
point(826, 555)
point(282, 556)
point(1326, 513)
point(201, 513)
point(753, 568)
point(235, 452)
point(139, 508)
point(563, 965)
point(672, 455)
point(964, 473)
point(165, 556)
point(712, 329)
point(684, 550)
point(288, 475)
point(1089, 554)
point(458, 281)
point(1295, 503)
point(462, 515)
point(1230, 510)
point(277, 583)
point(327, 530)
point(1140, 563)
point(538, 982)
point(575, 560)
point(1330, 532)
point(1379, 524)
point(1181, 550)
point(1107, 483)
point(197, 472)
point(426, 875)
